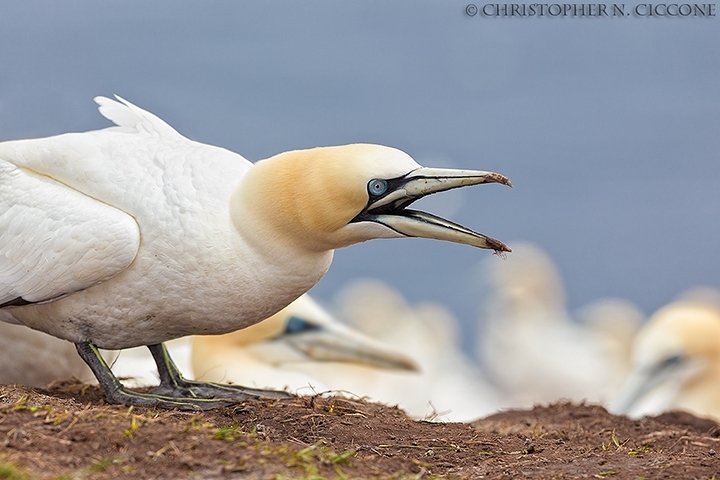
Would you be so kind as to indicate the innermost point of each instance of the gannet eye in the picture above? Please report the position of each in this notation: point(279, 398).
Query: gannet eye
point(377, 187)
point(298, 325)
point(673, 360)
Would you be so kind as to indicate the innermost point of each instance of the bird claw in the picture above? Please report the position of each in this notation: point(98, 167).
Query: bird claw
point(152, 400)
point(190, 389)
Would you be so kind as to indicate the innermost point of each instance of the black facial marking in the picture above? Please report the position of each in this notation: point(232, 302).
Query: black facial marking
point(298, 325)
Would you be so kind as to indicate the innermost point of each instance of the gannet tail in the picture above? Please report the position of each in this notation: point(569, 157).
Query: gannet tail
point(124, 114)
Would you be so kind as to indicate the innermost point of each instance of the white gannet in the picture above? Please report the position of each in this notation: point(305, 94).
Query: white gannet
point(530, 345)
point(447, 387)
point(676, 360)
point(614, 322)
point(303, 333)
point(134, 235)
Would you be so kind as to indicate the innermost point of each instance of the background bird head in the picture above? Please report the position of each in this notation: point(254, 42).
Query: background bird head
point(301, 332)
point(678, 350)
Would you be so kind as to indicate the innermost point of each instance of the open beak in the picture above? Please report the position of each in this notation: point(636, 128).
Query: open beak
point(390, 208)
point(337, 343)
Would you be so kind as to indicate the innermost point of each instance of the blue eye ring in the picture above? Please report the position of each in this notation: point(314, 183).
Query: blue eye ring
point(298, 325)
point(377, 186)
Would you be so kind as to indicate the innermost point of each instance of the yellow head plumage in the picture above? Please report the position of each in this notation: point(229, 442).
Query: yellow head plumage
point(310, 196)
point(682, 328)
point(325, 198)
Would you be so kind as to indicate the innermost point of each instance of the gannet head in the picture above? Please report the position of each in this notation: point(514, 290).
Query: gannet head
point(678, 344)
point(301, 332)
point(331, 197)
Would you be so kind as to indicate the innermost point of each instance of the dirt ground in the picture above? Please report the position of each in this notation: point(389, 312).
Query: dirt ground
point(69, 432)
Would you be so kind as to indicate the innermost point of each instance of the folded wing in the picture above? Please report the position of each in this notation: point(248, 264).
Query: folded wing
point(55, 240)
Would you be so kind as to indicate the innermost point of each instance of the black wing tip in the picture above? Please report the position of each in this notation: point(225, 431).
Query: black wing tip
point(16, 302)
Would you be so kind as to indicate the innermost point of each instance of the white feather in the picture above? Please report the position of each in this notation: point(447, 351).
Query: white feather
point(128, 230)
point(127, 115)
point(55, 240)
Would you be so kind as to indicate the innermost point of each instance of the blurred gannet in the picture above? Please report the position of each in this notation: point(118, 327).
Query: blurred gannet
point(264, 354)
point(676, 360)
point(425, 331)
point(447, 387)
point(615, 321)
point(704, 294)
point(51, 358)
point(528, 342)
point(134, 235)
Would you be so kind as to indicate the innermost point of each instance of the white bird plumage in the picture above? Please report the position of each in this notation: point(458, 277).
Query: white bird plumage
point(73, 209)
point(531, 346)
point(283, 351)
point(676, 360)
point(448, 386)
point(134, 235)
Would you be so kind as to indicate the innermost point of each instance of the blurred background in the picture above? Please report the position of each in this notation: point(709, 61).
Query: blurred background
point(608, 127)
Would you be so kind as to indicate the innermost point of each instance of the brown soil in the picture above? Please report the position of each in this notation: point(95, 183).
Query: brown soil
point(69, 431)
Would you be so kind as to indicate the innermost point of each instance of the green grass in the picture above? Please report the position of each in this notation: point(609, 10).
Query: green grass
point(8, 471)
point(102, 465)
point(227, 433)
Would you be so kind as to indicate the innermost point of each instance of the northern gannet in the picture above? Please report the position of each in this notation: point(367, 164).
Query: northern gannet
point(676, 360)
point(448, 385)
point(529, 343)
point(303, 333)
point(134, 235)
point(615, 322)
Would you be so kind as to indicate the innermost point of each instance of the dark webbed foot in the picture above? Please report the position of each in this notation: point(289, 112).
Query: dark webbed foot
point(174, 391)
point(172, 382)
point(125, 396)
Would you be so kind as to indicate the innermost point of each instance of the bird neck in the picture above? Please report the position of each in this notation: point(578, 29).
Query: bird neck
point(274, 256)
point(306, 198)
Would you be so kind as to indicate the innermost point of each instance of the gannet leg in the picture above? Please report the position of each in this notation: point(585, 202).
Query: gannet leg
point(116, 392)
point(171, 380)
point(173, 384)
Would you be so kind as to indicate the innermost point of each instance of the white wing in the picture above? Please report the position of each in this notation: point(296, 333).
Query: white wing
point(55, 240)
